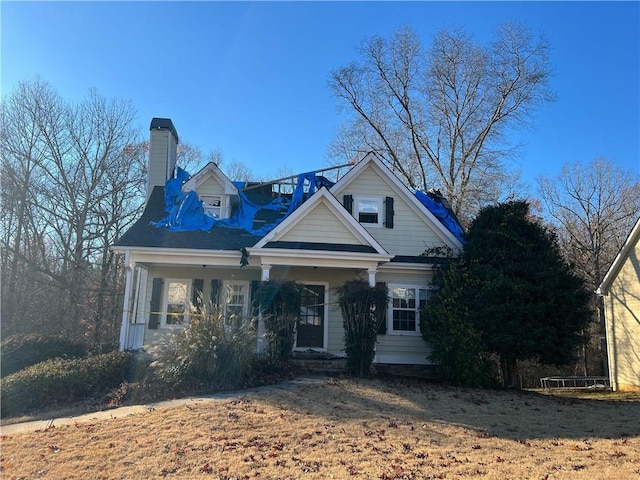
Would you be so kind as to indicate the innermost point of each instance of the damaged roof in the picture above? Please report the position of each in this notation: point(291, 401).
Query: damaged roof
point(143, 234)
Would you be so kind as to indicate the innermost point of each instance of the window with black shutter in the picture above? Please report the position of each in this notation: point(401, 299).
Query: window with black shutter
point(156, 298)
point(347, 202)
point(388, 212)
point(196, 293)
point(215, 291)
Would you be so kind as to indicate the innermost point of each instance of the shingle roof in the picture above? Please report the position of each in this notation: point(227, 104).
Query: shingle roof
point(143, 234)
point(331, 247)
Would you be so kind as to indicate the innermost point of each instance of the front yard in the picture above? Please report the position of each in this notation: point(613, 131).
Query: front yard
point(347, 428)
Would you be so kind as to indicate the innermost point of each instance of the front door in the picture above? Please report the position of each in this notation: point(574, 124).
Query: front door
point(310, 332)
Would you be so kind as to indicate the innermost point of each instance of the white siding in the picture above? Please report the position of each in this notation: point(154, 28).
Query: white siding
point(335, 278)
point(399, 348)
point(161, 158)
point(210, 186)
point(320, 225)
point(156, 336)
point(410, 234)
point(408, 349)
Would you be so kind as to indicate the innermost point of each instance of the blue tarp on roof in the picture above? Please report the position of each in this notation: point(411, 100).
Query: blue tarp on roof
point(442, 213)
point(186, 212)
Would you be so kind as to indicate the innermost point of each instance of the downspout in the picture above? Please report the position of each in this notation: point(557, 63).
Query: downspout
point(126, 313)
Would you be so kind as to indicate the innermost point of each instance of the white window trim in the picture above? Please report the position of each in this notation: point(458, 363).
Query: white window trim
point(356, 210)
point(165, 303)
point(247, 293)
point(390, 330)
point(204, 197)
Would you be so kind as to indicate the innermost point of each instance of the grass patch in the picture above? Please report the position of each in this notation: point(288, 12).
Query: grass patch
point(343, 428)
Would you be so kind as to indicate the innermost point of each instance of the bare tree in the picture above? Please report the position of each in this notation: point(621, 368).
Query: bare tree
point(238, 171)
point(25, 254)
point(75, 183)
point(439, 116)
point(593, 207)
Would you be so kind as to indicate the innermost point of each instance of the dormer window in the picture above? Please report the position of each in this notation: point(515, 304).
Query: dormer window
point(212, 205)
point(368, 210)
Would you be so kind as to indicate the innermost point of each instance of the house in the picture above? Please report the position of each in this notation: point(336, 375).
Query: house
point(367, 225)
point(620, 289)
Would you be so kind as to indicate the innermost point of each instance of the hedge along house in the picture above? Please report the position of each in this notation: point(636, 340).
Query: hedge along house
point(620, 289)
point(367, 225)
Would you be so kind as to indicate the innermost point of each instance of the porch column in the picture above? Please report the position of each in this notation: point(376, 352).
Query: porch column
point(372, 276)
point(126, 307)
point(262, 332)
point(266, 268)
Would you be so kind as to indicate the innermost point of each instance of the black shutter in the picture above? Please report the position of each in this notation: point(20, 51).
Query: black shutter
point(347, 202)
point(255, 307)
point(382, 326)
point(215, 291)
point(196, 293)
point(156, 297)
point(388, 212)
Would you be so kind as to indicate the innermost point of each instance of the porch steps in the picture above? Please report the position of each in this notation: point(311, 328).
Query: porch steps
point(327, 363)
point(319, 362)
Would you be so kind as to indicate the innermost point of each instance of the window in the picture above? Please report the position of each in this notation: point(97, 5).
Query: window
point(404, 308)
point(368, 210)
point(176, 302)
point(212, 205)
point(236, 301)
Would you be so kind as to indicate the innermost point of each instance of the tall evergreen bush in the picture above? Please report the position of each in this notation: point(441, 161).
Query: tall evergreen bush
point(363, 310)
point(280, 304)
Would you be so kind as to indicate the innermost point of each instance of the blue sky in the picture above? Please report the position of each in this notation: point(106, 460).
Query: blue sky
point(250, 78)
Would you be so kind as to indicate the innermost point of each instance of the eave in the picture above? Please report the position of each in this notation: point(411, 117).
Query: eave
point(181, 256)
point(317, 258)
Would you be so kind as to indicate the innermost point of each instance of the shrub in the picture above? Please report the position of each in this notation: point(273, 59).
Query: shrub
point(59, 381)
point(280, 305)
point(208, 349)
point(21, 351)
point(456, 346)
point(363, 309)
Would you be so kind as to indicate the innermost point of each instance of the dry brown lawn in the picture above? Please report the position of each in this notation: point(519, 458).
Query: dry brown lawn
point(346, 428)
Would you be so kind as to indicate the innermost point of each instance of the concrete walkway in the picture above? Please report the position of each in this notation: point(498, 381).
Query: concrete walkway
point(120, 412)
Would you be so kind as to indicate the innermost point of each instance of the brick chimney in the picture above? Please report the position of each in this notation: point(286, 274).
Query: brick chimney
point(163, 148)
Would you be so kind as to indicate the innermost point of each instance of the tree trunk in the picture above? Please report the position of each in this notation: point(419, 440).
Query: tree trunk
point(509, 368)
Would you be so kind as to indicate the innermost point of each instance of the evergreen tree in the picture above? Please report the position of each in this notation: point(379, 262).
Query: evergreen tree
point(519, 295)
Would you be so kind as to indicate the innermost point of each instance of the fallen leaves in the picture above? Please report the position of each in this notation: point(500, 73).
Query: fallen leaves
point(53, 448)
point(346, 430)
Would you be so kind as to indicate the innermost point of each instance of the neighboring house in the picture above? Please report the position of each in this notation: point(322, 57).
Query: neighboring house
point(366, 226)
point(620, 289)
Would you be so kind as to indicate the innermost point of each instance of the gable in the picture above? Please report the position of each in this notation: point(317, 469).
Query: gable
point(321, 220)
point(210, 186)
point(630, 248)
point(210, 181)
point(320, 225)
point(415, 228)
